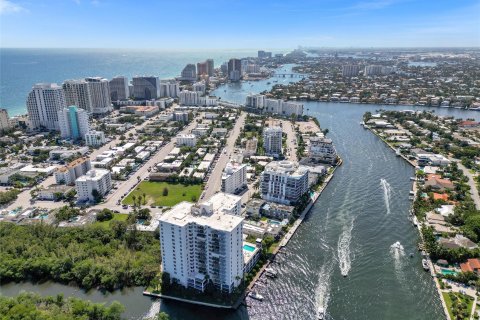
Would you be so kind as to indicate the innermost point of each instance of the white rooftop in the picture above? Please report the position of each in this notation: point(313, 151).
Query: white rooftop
point(181, 215)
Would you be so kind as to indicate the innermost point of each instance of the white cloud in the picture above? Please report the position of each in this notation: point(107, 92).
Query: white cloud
point(7, 7)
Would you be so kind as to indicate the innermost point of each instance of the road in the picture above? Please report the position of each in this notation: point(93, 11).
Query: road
point(288, 128)
point(471, 183)
point(125, 186)
point(215, 181)
point(24, 197)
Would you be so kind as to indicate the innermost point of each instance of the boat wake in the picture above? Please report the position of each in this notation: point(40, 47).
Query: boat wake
point(322, 292)
point(387, 192)
point(344, 259)
point(398, 254)
point(153, 311)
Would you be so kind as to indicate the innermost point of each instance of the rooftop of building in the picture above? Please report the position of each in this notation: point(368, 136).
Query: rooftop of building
point(93, 174)
point(74, 163)
point(286, 167)
point(182, 214)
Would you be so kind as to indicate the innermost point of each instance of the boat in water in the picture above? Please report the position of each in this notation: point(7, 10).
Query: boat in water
point(397, 245)
point(398, 153)
point(321, 313)
point(425, 265)
point(255, 295)
point(269, 272)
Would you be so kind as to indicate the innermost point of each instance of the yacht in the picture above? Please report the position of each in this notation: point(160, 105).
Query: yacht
point(255, 295)
point(269, 272)
point(321, 313)
point(398, 153)
point(425, 265)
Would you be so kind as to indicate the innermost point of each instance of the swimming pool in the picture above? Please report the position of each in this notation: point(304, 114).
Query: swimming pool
point(270, 221)
point(446, 272)
point(248, 248)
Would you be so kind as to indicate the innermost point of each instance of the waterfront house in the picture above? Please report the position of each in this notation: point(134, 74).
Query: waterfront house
point(437, 183)
point(456, 242)
point(472, 265)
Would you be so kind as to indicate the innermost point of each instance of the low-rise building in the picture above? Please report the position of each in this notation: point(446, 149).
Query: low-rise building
point(189, 140)
point(75, 169)
point(95, 138)
point(322, 149)
point(234, 178)
point(95, 179)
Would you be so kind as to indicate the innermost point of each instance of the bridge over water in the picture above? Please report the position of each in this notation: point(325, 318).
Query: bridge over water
point(289, 75)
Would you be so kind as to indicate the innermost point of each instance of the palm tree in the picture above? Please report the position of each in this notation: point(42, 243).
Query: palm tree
point(144, 199)
point(134, 198)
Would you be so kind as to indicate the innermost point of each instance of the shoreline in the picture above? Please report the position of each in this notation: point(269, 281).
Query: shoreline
point(419, 228)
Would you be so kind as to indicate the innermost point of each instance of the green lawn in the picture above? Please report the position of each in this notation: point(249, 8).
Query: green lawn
point(116, 216)
point(448, 301)
point(154, 193)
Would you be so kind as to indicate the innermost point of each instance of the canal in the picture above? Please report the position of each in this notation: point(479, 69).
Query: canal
point(350, 231)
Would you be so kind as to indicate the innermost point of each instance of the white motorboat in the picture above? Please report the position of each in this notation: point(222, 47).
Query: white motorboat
point(321, 313)
point(425, 265)
point(255, 295)
point(269, 272)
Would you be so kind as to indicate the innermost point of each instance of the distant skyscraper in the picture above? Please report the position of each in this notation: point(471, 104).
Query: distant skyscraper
point(189, 73)
point(73, 123)
point(43, 104)
point(169, 88)
point(119, 88)
point(350, 70)
point(264, 54)
point(4, 120)
point(146, 88)
point(100, 93)
point(210, 67)
point(234, 69)
point(91, 94)
point(373, 70)
point(77, 93)
point(202, 68)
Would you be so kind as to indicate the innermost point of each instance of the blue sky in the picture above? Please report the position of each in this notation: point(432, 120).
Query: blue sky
point(229, 24)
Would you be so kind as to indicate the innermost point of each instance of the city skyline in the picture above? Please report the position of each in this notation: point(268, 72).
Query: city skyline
point(269, 24)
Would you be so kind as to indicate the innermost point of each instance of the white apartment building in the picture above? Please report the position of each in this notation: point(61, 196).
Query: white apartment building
point(189, 140)
point(274, 106)
point(146, 87)
point(189, 98)
point(119, 88)
point(234, 177)
point(95, 179)
point(4, 120)
point(283, 182)
point(199, 86)
point(373, 70)
point(43, 104)
point(77, 93)
point(322, 149)
point(169, 88)
point(95, 138)
point(75, 169)
point(350, 70)
point(73, 123)
point(203, 242)
point(255, 101)
point(272, 141)
point(100, 93)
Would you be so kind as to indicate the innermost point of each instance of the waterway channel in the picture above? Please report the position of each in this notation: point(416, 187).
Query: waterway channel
point(350, 230)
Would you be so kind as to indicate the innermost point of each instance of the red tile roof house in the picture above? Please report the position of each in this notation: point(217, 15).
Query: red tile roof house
point(438, 183)
point(468, 124)
point(472, 265)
